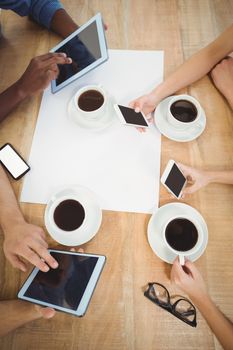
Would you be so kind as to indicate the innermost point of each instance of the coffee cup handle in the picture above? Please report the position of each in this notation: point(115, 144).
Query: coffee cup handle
point(181, 260)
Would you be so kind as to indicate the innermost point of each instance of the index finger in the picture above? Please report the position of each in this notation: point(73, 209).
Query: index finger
point(35, 260)
point(56, 60)
point(47, 257)
point(51, 54)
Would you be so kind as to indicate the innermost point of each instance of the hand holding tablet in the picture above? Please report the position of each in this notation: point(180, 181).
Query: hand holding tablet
point(69, 287)
point(87, 49)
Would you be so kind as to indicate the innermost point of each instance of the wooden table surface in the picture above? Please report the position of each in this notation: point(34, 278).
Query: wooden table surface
point(119, 316)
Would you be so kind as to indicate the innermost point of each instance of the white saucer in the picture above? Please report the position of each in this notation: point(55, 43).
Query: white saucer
point(159, 219)
point(90, 225)
point(105, 121)
point(170, 131)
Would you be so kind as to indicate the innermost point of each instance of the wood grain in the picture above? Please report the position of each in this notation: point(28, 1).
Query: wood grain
point(119, 316)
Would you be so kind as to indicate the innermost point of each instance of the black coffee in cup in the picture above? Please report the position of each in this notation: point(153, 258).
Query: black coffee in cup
point(69, 215)
point(184, 111)
point(90, 100)
point(181, 234)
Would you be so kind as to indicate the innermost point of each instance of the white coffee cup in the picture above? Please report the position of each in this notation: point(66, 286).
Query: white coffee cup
point(178, 124)
point(95, 114)
point(194, 249)
point(56, 203)
point(58, 233)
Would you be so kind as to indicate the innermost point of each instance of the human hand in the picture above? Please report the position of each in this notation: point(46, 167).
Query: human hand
point(146, 104)
point(40, 72)
point(196, 179)
point(23, 240)
point(222, 76)
point(189, 279)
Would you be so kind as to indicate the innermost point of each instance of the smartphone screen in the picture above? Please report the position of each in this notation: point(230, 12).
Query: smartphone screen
point(175, 180)
point(13, 162)
point(132, 117)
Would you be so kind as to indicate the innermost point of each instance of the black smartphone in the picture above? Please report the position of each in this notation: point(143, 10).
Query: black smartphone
point(13, 162)
point(128, 116)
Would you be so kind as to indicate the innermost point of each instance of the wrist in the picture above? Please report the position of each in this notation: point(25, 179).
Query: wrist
point(214, 176)
point(158, 93)
point(20, 92)
point(8, 224)
point(62, 23)
point(200, 299)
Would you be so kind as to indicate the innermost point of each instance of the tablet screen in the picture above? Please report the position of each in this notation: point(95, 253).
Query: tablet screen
point(84, 49)
point(65, 285)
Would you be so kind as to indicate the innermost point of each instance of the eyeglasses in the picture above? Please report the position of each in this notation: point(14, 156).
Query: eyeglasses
point(182, 308)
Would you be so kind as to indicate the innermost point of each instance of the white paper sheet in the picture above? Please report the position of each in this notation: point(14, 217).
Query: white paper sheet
point(121, 165)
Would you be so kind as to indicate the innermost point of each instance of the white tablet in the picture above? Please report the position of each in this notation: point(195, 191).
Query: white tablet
point(87, 48)
point(69, 287)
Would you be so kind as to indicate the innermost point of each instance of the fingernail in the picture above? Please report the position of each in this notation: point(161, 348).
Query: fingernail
point(64, 54)
point(137, 110)
point(55, 264)
point(46, 268)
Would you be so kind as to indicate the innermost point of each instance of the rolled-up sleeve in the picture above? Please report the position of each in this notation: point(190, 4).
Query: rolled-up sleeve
point(41, 11)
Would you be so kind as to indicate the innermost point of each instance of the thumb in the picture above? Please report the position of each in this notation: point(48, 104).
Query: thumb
point(184, 168)
point(17, 263)
point(176, 270)
point(137, 105)
point(50, 75)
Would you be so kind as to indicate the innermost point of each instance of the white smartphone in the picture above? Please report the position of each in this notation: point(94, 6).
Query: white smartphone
point(173, 179)
point(68, 288)
point(13, 162)
point(128, 116)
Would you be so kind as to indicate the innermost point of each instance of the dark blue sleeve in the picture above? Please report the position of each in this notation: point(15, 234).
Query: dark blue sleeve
point(41, 11)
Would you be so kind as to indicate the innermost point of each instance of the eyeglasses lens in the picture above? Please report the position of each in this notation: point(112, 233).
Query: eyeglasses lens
point(186, 310)
point(159, 293)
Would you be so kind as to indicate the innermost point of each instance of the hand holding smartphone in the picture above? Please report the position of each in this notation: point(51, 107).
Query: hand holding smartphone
point(173, 179)
point(128, 116)
point(13, 162)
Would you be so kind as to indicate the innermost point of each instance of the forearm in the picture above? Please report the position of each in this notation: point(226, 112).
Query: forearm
point(9, 209)
point(224, 177)
point(62, 23)
point(219, 324)
point(197, 66)
point(190, 71)
point(10, 98)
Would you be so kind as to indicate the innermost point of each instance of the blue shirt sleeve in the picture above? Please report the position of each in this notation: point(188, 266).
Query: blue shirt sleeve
point(41, 11)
